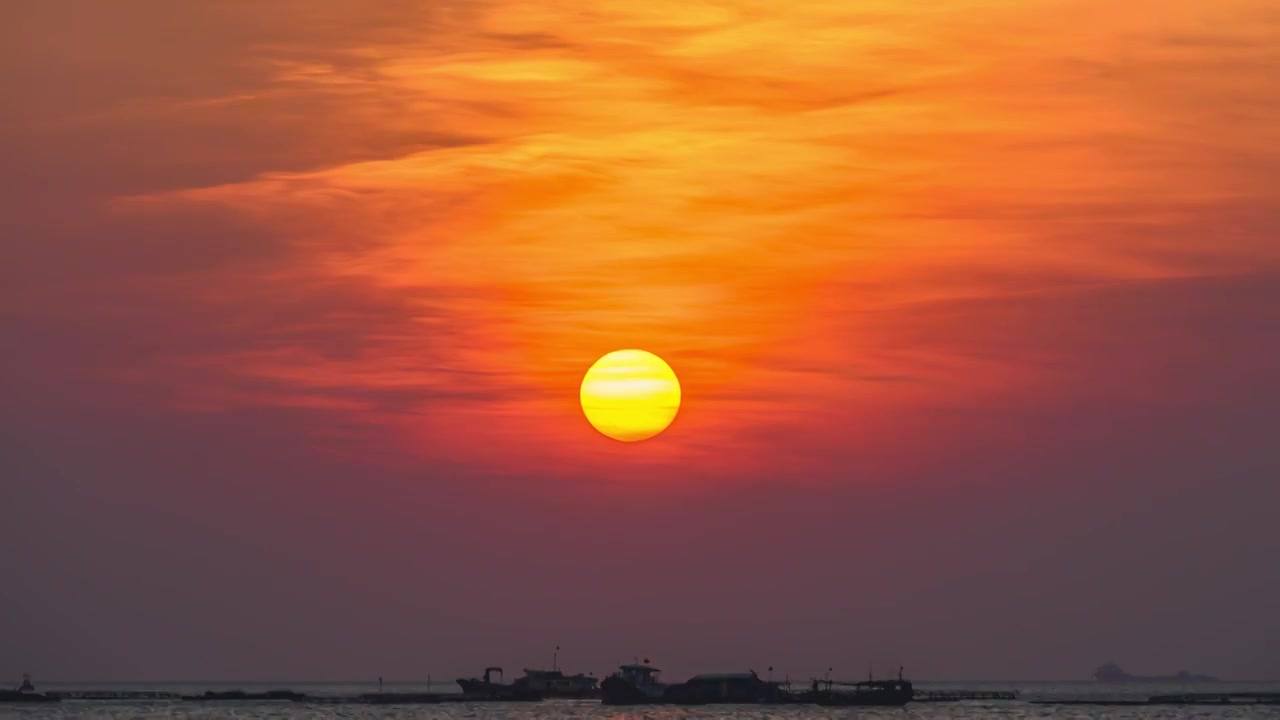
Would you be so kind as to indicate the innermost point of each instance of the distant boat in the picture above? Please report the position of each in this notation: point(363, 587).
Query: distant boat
point(486, 687)
point(555, 684)
point(26, 693)
point(1112, 673)
point(635, 684)
point(724, 688)
point(638, 684)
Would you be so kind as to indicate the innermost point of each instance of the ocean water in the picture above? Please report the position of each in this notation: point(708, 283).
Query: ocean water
point(593, 710)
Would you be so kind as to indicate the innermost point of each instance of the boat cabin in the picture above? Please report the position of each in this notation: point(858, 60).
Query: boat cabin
point(639, 675)
point(554, 681)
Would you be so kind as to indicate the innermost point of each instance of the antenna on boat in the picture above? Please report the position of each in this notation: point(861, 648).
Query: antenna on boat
point(555, 659)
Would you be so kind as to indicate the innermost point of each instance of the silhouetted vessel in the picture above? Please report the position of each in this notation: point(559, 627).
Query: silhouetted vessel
point(484, 685)
point(486, 688)
point(26, 693)
point(1112, 673)
point(638, 684)
point(555, 684)
point(635, 684)
point(722, 688)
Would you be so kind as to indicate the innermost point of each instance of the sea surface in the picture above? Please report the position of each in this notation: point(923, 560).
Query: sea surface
point(592, 710)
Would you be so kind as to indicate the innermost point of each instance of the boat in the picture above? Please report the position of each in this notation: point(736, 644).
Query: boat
point(1112, 673)
point(486, 688)
point(724, 688)
point(555, 684)
point(638, 684)
point(485, 685)
point(26, 693)
point(635, 684)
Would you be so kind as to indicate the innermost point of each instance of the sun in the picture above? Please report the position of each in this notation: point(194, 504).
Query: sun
point(630, 395)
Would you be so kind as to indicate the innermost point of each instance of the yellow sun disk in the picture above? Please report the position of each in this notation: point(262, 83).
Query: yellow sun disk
point(630, 395)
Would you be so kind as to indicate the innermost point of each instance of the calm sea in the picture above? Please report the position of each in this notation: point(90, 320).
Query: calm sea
point(590, 710)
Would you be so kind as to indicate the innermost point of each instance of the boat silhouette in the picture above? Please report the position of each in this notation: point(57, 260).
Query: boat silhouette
point(638, 684)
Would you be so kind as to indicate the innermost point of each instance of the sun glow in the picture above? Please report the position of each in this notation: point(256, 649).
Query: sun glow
point(630, 395)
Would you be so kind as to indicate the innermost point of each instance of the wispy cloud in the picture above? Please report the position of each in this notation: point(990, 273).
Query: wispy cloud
point(482, 199)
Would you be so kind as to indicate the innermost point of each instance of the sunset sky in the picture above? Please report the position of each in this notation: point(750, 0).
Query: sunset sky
point(974, 305)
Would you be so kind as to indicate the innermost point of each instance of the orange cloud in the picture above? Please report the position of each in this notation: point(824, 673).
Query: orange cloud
point(748, 189)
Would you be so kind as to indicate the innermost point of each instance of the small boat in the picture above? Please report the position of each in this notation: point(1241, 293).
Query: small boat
point(485, 685)
point(487, 689)
point(26, 693)
point(638, 685)
point(555, 684)
point(724, 688)
point(635, 684)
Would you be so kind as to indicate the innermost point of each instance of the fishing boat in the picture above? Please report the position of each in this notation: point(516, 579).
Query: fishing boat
point(13, 696)
point(26, 693)
point(555, 684)
point(638, 684)
point(635, 684)
point(486, 688)
point(724, 688)
point(484, 685)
